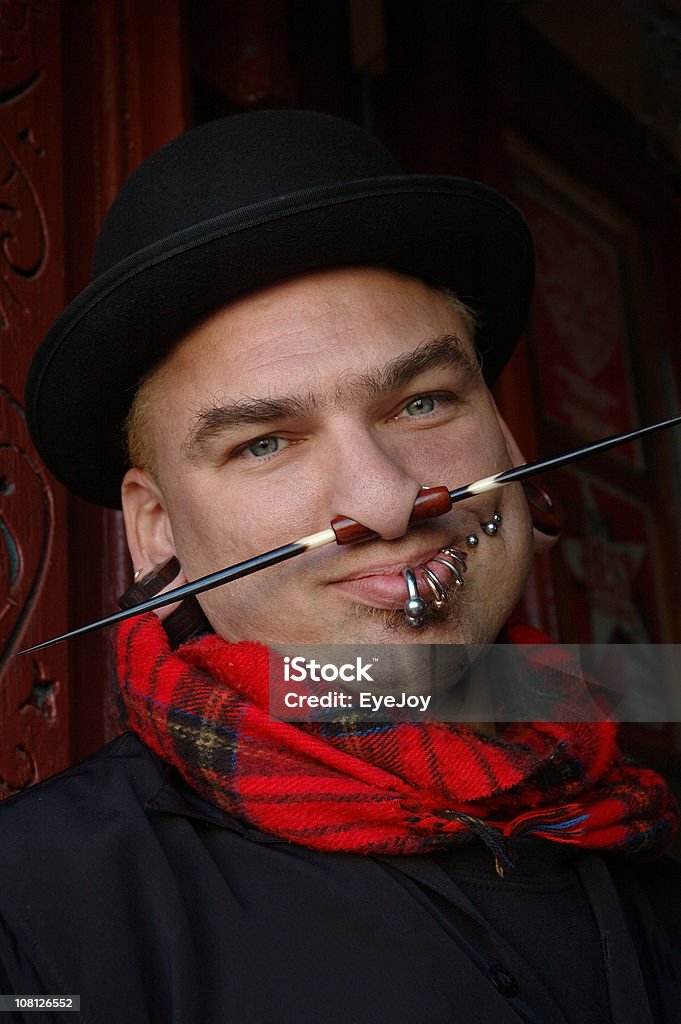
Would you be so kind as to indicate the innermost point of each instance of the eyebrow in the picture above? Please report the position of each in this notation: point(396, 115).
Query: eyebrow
point(447, 350)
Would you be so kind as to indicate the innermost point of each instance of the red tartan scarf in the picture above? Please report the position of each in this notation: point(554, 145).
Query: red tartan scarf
point(380, 788)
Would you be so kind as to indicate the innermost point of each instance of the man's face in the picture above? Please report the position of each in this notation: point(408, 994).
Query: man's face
point(338, 393)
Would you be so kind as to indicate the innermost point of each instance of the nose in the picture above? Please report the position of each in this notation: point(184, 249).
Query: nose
point(371, 486)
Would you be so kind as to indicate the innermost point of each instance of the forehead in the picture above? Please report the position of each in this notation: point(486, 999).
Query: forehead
point(311, 327)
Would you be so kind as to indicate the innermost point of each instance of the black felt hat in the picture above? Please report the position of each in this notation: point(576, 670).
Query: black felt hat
point(233, 206)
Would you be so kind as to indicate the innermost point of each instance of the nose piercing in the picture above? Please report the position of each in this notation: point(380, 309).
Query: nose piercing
point(414, 606)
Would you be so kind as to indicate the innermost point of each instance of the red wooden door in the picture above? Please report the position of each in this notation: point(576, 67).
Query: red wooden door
point(34, 691)
point(86, 91)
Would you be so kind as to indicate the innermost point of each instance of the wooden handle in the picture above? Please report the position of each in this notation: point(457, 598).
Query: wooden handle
point(430, 502)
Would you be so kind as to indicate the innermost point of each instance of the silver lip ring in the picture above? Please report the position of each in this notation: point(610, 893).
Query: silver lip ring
point(437, 587)
point(413, 615)
point(453, 569)
point(459, 552)
point(412, 585)
point(458, 556)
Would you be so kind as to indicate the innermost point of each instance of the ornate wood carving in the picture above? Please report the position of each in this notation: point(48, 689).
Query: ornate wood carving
point(26, 526)
point(33, 691)
point(22, 221)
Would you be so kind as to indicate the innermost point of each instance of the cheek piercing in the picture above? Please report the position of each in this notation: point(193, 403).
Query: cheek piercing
point(472, 540)
point(414, 606)
point(492, 527)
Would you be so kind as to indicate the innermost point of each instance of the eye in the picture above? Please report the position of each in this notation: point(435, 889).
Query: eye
point(261, 448)
point(423, 404)
point(420, 406)
point(264, 446)
point(433, 405)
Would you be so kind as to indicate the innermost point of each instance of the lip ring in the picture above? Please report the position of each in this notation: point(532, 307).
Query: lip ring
point(388, 590)
point(396, 569)
point(414, 606)
point(458, 555)
point(437, 588)
point(455, 571)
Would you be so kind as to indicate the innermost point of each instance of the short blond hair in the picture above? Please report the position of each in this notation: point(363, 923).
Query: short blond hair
point(468, 316)
point(138, 429)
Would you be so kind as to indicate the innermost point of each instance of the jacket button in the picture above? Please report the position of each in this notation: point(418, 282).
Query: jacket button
point(502, 980)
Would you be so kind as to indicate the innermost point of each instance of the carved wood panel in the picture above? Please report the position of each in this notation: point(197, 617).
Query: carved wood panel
point(34, 733)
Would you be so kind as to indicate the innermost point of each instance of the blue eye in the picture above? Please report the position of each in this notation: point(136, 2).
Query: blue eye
point(264, 446)
point(420, 406)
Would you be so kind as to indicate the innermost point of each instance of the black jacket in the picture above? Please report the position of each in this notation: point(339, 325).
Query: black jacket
point(118, 884)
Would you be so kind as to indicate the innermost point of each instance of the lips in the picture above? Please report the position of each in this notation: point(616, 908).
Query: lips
point(384, 586)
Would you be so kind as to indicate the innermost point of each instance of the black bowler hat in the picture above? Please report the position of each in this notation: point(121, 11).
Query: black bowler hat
point(235, 205)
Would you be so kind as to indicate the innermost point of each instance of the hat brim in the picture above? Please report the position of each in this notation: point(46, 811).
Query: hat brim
point(446, 231)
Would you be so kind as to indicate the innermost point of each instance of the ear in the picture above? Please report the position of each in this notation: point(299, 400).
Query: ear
point(147, 526)
point(546, 517)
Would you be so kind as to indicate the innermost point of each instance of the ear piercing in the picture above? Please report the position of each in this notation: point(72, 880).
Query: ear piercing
point(454, 559)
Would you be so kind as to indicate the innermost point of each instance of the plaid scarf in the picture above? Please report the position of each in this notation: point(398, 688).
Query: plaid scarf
point(380, 788)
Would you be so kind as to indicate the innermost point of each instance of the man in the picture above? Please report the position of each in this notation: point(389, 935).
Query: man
point(284, 322)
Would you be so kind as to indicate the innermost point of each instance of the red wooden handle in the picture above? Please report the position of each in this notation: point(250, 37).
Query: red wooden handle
point(430, 501)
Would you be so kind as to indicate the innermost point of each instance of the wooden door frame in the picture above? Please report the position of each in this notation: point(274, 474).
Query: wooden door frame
point(124, 86)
